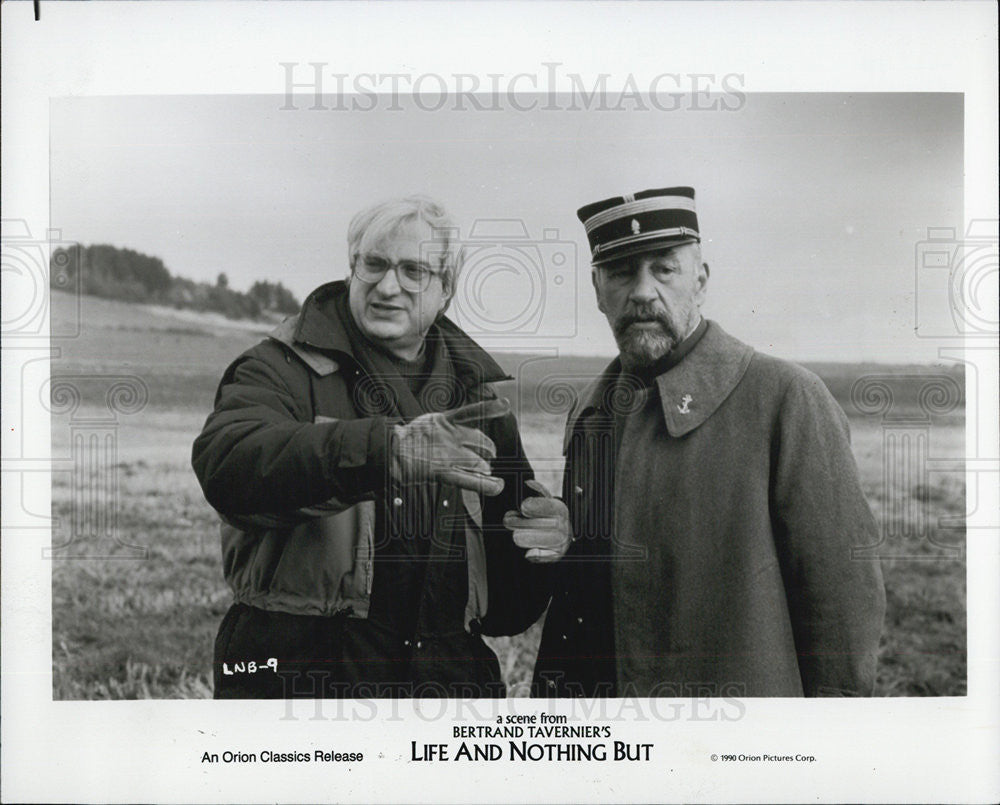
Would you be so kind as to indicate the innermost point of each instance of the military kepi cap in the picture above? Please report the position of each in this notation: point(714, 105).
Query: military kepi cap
point(652, 219)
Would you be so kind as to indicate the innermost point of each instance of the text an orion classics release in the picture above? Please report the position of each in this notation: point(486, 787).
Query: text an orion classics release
point(283, 756)
point(531, 737)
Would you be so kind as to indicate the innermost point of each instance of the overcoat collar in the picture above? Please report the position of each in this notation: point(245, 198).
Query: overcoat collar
point(690, 392)
point(318, 336)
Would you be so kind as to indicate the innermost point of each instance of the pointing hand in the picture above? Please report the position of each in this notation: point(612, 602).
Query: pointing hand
point(447, 447)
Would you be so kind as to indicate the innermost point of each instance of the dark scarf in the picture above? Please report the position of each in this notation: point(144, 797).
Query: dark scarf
point(421, 578)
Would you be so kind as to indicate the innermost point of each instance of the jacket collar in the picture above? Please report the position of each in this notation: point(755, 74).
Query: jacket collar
point(690, 392)
point(318, 336)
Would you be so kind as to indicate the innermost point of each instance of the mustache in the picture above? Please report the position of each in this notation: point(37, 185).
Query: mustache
point(643, 313)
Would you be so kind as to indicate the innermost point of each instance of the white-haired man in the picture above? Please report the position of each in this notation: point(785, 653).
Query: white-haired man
point(362, 466)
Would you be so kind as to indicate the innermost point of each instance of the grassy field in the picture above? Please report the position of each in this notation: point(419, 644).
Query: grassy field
point(136, 606)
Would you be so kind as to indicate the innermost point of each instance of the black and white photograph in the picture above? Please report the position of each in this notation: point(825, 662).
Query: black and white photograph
point(563, 423)
point(328, 286)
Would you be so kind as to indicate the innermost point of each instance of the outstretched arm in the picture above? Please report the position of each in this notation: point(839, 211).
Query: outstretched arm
point(261, 452)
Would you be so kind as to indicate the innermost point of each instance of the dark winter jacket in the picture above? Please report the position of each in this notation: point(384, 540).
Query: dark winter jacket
point(295, 461)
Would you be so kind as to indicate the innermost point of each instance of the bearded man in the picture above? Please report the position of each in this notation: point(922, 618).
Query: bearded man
point(713, 497)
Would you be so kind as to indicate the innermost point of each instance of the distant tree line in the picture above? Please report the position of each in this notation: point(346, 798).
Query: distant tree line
point(131, 276)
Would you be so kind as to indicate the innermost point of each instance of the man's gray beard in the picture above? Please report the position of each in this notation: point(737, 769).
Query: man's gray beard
point(642, 348)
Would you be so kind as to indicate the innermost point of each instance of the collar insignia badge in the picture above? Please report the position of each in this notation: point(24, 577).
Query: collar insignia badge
point(635, 227)
point(685, 400)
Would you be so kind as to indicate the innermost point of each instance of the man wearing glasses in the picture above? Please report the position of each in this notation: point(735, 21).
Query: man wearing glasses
point(362, 467)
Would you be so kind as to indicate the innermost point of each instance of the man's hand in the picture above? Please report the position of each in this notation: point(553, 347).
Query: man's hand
point(443, 447)
point(542, 526)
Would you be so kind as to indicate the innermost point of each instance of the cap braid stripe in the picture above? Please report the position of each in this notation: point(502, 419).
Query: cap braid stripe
point(635, 207)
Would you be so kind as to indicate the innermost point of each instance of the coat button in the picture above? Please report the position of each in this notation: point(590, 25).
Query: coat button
point(406, 643)
point(579, 620)
point(564, 637)
point(578, 490)
point(397, 502)
point(444, 503)
point(552, 684)
point(419, 644)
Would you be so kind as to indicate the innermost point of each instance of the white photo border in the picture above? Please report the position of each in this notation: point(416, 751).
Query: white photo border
point(867, 750)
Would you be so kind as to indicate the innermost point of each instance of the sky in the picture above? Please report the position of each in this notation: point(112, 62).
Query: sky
point(813, 208)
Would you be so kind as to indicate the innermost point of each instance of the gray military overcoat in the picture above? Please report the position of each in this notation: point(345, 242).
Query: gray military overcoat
point(713, 538)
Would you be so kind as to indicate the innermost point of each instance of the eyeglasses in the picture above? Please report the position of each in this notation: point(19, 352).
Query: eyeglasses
point(411, 275)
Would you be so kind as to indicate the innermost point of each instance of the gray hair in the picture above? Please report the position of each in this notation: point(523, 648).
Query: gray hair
point(374, 224)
